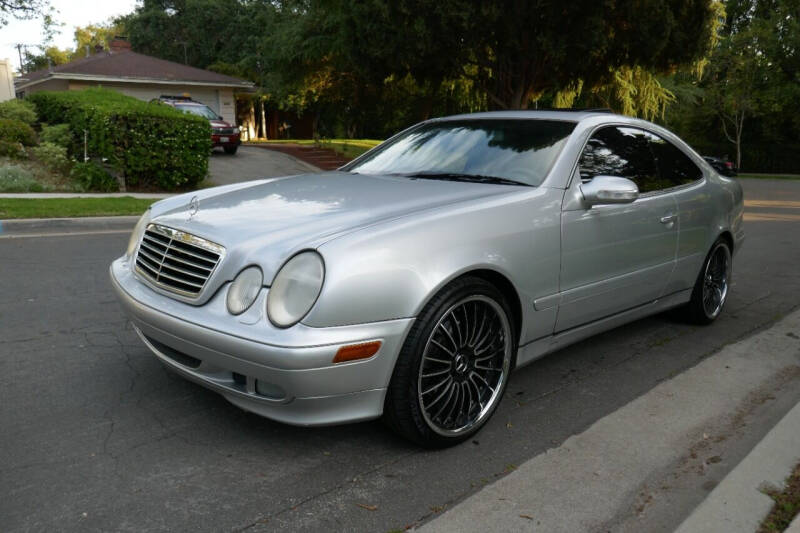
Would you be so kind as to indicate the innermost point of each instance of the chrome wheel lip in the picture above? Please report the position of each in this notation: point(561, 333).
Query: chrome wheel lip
point(491, 403)
point(716, 281)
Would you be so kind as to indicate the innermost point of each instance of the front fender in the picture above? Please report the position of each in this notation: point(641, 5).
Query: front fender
point(392, 269)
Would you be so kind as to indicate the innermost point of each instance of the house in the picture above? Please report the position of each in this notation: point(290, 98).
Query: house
point(138, 75)
point(6, 81)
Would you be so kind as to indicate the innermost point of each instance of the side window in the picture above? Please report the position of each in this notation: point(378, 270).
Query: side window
point(673, 164)
point(623, 152)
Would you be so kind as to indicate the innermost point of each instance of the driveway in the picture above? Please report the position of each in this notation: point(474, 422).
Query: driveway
point(252, 163)
point(98, 436)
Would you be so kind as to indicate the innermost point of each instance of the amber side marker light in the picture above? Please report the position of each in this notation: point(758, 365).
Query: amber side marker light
point(357, 351)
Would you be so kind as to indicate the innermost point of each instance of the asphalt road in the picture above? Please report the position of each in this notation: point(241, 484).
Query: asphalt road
point(96, 435)
point(252, 163)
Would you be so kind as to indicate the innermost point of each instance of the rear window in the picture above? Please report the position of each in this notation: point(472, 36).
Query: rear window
point(673, 164)
point(202, 110)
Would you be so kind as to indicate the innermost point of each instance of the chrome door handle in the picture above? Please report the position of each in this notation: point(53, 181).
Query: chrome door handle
point(668, 219)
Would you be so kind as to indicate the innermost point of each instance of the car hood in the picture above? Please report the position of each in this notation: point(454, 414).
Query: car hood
point(219, 124)
point(265, 222)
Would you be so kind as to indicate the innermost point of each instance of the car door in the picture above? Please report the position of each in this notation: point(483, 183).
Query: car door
point(695, 213)
point(616, 257)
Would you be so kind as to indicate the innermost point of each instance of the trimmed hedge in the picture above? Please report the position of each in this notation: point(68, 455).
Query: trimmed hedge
point(151, 145)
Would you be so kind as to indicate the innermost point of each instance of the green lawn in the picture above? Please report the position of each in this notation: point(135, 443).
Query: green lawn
point(349, 148)
point(770, 176)
point(71, 207)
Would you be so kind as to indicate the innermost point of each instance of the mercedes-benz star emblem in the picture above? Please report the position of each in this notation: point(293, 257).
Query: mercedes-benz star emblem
point(194, 206)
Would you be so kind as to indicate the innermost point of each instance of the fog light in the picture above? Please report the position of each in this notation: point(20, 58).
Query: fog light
point(269, 390)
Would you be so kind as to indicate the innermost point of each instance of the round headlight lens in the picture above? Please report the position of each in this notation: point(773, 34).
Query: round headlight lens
point(295, 289)
point(138, 231)
point(244, 290)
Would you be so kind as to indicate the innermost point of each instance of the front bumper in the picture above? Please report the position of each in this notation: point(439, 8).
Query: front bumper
point(286, 375)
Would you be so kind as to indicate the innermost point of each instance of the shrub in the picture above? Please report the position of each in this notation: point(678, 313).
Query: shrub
point(58, 134)
point(14, 178)
point(18, 110)
point(151, 145)
point(11, 149)
point(92, 177)
point(53, 156)
point(14, 130)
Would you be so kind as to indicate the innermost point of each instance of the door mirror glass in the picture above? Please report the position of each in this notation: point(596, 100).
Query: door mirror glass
point(609, 190)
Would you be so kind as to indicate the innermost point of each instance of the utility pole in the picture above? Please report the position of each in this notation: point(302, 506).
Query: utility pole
point(19, 51)
point(185, 54)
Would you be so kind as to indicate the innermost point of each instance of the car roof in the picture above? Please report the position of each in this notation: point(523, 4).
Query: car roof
point(572, 115)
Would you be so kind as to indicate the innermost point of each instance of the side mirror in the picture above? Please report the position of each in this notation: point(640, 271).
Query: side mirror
point(609, 190)
point(219, 117)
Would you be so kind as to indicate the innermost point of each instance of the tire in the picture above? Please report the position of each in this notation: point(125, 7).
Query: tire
point(712, 286)
point(459, 351)
point(230, 149)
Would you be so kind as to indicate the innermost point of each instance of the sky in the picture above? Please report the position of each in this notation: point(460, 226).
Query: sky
point(72, 13)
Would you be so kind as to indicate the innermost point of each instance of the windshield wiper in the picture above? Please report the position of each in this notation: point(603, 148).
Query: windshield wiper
point(457, 176)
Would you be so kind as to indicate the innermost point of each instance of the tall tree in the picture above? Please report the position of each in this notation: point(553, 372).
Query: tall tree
point(748, 99)
point(523, 48)
point(196, 32)
point(48, 56)
point(22, 9)
point(94, 35)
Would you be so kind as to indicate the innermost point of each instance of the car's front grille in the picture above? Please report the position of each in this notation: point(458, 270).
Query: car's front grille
point(176, 261)
point(224, 131)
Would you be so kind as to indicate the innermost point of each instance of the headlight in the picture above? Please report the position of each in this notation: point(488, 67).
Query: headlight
point(244, 290)
point(295, 289)
point(236, 131)
point(138, 231)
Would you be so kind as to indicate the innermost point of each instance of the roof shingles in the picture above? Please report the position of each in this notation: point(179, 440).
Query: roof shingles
point(134, 66)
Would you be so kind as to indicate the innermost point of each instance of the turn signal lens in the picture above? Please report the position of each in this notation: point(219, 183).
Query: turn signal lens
point(357, 351)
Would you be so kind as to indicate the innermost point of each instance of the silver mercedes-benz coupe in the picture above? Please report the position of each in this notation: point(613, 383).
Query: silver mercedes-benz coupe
point(409, 283)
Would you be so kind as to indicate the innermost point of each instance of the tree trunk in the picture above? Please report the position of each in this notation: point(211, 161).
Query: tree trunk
point(251, 121)
point(738, 125)
point(739, 128)
point(426, 108)
point(263, 120)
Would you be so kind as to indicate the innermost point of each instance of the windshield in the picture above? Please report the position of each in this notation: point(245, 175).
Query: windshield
point(202, 110)
point(520, 150)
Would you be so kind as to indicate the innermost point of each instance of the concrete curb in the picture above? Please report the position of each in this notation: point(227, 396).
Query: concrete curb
point(794, 527)
point(737, 503)
point(619, 473)
point(47, 226)
point(43, 195)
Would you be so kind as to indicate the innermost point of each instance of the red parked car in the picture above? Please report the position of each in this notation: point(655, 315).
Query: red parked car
point(223, 134)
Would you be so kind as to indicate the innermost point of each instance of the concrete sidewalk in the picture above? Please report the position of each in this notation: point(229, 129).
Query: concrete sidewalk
point(648, 465)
